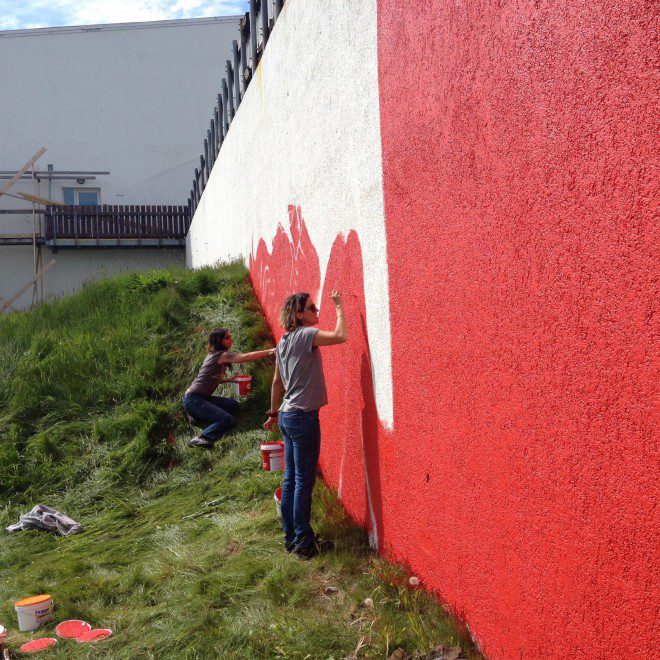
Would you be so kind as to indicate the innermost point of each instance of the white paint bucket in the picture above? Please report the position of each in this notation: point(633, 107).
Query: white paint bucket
point(34, 612)
point(272, 456)
point(278, 501)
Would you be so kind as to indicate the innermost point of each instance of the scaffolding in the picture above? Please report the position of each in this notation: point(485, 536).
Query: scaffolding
point(58, 226)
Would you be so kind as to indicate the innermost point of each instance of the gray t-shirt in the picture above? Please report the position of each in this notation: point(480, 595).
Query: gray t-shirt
point(301, 370)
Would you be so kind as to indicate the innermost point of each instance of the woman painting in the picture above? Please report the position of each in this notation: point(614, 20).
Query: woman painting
point(299, 372)
point(216, 411)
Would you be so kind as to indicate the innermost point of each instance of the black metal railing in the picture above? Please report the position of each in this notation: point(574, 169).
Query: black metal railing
point(254, 29)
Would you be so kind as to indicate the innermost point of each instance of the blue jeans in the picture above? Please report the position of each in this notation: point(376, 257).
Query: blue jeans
point(218, 411)
point(302, 444)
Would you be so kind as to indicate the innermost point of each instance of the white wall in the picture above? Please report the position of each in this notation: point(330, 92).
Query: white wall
point(133, 99)
point(308, 133)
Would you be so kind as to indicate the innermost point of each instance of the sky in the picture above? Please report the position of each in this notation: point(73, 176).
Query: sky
point(26, 14)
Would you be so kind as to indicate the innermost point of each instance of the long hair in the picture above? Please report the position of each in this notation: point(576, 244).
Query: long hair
point(216, 338)
point(294, 303)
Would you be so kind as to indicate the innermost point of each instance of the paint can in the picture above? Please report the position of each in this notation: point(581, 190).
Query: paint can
point(243, 385)
point(272, 456)
point(3, 634)
point(34, 611)
point(278, 501)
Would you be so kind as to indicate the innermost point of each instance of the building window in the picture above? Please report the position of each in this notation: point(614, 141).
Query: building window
point(81, 196)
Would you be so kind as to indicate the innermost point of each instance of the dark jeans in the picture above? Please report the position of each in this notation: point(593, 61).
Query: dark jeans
point(302, 443)
point(218, 411)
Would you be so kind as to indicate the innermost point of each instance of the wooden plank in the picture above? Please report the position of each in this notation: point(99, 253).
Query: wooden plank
point(40, 273)
point(20, 211)
point(22, 171)
point(5, 305)
point(39, 200)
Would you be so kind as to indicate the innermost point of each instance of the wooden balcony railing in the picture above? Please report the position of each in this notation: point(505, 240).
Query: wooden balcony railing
point(116, 226)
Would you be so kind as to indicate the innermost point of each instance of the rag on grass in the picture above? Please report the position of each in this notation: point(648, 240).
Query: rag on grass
point(44, 518)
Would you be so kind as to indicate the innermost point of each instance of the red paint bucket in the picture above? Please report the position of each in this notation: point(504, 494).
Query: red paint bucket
point(243, 385)
point(272, 456)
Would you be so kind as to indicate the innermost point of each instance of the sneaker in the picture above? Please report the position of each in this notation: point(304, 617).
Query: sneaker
point(306, 553)
point(317, 547)
point(323, 545)
point(200, 441)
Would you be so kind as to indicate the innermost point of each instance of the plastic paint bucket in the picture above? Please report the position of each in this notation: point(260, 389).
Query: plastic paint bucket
point(278, 501)
point(34, 611)
point(272, 456)
point(243, 385)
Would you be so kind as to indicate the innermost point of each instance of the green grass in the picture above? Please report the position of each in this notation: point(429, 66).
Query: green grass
point(181, 554)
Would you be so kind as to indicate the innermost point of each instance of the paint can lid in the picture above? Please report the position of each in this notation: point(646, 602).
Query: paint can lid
point(33, 600)
point(95, 635)
point(72, 629)
point(38, 644)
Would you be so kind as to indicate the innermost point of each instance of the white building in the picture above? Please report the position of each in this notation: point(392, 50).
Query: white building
point(131, 100)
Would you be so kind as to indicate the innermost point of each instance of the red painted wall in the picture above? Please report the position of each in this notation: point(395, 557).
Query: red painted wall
point(519, 481)
point(517, 159)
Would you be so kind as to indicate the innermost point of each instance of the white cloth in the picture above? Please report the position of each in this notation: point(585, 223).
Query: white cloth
point(44, 518)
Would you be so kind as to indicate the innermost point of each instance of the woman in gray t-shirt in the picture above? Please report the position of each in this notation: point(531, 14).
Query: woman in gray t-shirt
point(299, 372)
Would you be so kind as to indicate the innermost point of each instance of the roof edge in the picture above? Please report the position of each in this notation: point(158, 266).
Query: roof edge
point(106, 27)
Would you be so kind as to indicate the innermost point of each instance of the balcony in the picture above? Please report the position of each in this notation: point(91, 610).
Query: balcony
point(113, 227)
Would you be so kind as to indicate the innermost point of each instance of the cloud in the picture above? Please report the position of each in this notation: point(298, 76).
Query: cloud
point(26, 14)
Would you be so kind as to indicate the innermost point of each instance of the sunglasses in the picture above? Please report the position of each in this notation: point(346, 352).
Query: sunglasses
point(312, 308)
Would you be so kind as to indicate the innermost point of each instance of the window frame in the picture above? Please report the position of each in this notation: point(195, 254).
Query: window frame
point(76, 195)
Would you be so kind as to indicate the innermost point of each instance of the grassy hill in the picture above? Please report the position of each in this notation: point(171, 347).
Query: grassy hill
point(181, 552)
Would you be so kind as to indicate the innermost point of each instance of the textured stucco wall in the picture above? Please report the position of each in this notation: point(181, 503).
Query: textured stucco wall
point(517, 475)
point(307, 133)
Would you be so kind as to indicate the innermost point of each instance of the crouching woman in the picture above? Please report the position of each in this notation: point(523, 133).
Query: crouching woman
point(299, 372)
point(217, 412)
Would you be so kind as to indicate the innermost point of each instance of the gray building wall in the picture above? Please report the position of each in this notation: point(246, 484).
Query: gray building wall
point(133, 99)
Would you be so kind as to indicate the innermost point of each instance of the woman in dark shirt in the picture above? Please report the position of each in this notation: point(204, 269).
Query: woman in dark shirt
point(199, 402)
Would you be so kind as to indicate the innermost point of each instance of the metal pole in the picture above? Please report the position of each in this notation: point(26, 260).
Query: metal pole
point(211, 136)
point(253, 36)
point(230, 90)
point(264, 24)
point(50, 180)
point(237, 75)
point(221, 121)
point(225, 114)
point(244, 57)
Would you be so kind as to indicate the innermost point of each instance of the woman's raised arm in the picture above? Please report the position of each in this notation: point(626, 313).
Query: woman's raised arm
point(340, 333)
point(238, 358)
